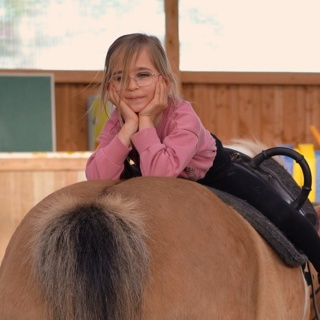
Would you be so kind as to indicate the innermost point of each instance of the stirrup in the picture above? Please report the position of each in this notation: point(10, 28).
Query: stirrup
point(253, 166)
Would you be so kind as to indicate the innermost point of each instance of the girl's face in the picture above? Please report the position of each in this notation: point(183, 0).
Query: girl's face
point(140, 89)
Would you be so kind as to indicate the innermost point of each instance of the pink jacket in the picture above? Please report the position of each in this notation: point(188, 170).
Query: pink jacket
point(179, 147)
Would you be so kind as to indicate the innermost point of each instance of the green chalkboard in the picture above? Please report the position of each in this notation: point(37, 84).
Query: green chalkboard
point(27, 119)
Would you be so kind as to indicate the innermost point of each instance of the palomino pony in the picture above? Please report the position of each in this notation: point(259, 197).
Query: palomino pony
point(148, 248)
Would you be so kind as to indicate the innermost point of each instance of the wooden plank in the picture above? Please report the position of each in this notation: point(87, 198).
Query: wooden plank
point(254, 78)
point(301, 116)
point(314, 94)
point(71, 114)
point(71, 77)
point(223, 113)
point(42, 161)
point(290, 115)
point(94, 78)
point(271, 115)
point(41, 164)
point(311, 112)
point(244, 111)
point(234, 111)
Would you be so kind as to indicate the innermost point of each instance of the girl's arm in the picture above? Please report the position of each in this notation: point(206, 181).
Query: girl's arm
point(168, 158)
point(107, 162)
point(186, 143)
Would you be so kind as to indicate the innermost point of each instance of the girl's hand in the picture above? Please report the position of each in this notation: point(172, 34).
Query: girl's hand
point(150, 114)
point(125, 111)
point(128, 118)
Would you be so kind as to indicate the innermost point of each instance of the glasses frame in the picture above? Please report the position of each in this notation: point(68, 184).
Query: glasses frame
point(118, 84)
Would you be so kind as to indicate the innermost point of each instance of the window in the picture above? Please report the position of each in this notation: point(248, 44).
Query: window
point(217, 35)
point(249, 35)
point(71, 34)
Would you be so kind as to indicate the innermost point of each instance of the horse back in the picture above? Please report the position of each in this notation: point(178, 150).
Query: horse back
point(205, 261)
point(208, 262)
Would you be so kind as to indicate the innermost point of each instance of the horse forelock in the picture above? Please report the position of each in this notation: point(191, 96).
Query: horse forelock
point(73, 238)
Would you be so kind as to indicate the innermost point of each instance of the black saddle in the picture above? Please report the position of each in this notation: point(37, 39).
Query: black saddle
point(266, 168)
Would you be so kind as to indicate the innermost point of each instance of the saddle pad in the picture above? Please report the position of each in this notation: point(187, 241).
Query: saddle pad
point(277, 240)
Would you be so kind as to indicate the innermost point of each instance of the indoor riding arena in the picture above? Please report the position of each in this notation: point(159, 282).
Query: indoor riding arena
point(50, 120)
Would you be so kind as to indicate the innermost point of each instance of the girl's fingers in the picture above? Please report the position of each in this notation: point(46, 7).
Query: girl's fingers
point(159, 101)
point(124, 109)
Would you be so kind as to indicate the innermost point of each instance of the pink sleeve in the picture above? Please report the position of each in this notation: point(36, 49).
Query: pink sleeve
point(171, 156)
point(107, 162)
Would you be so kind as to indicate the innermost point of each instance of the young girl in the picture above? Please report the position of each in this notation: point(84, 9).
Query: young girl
point(153, 132)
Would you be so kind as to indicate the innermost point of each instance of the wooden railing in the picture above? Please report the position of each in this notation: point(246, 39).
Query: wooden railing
point(26, 178)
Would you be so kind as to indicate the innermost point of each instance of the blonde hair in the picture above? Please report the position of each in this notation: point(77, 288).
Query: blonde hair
point(129, 46)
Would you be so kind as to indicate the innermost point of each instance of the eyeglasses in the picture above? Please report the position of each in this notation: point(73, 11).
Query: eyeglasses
point(142, 79)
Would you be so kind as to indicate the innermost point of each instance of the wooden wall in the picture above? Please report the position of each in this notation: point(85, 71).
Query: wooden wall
point(273, 108)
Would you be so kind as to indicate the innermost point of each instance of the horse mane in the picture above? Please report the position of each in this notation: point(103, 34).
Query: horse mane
point(251, 147)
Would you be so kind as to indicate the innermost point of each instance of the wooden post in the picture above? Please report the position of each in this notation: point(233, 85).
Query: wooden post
point(172, 35)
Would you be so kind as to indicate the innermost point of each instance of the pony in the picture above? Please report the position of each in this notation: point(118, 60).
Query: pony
point(147, 248)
